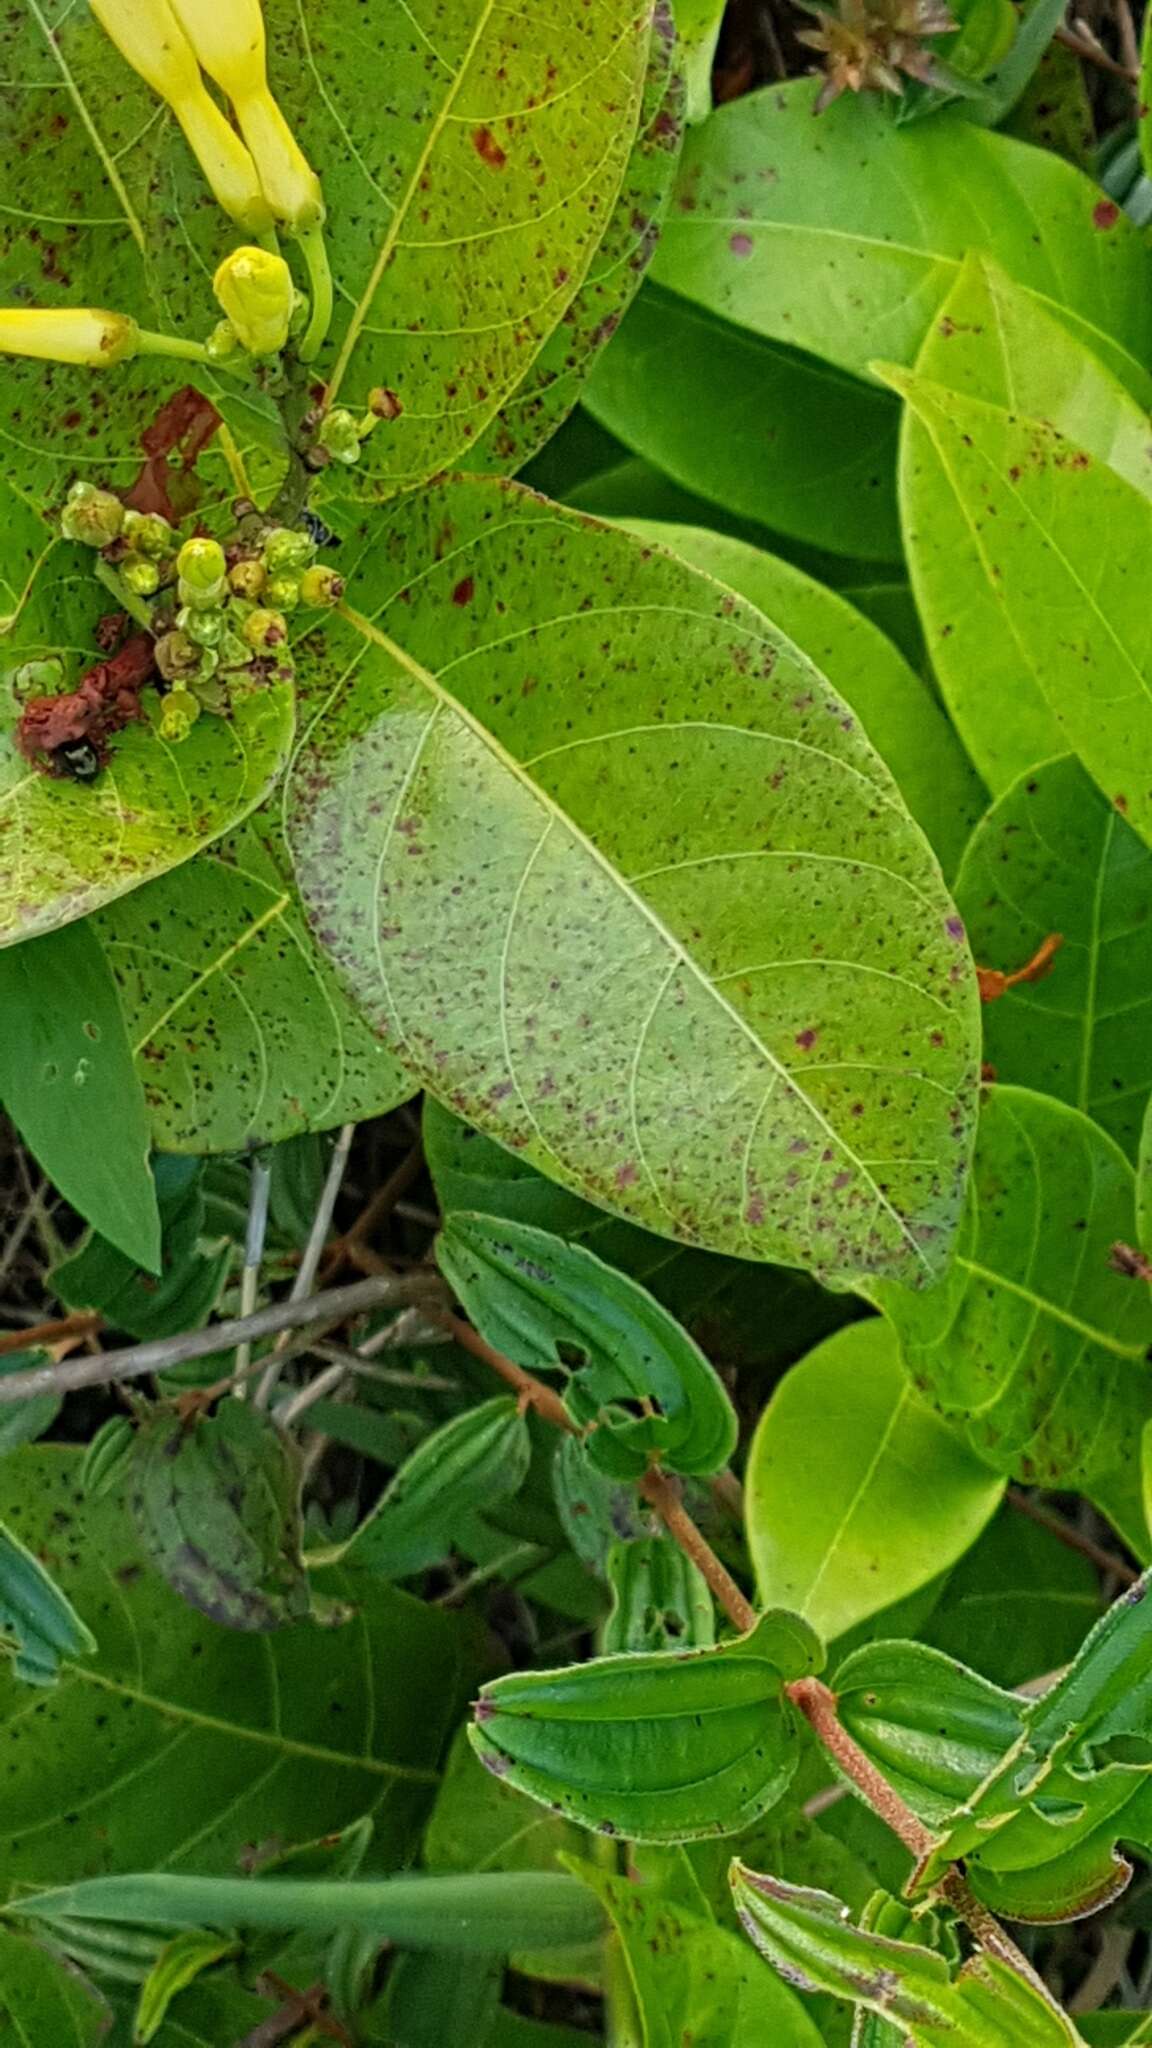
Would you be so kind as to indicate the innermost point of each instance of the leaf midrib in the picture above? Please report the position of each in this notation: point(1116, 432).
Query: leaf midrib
point(371, 632)
point(1136, 1352)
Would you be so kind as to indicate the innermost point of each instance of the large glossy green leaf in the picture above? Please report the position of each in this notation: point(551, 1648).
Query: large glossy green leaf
point(634, 1381)
point(66, 1080)
point(844, 235)
point(897, 708)
point(1009, 599)
point(740, 1310)
point(465, 204)
point(178, 1742)
point(549, 390)
point(1018, 1605)
point(68, 847)
point(1053, 855)
point(855, 1494)
point(193, 1264)
point(661, 1747)
point(811, 1941)
point(476, 1459)
point(742, 1016)
point(241, 1032)
point(769, 434)
point(694, 1981)
point(1033, 1342)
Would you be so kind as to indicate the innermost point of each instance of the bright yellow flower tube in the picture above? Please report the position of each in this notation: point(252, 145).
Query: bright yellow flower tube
point(228, 38)
point(148, 35)
point(69, 334)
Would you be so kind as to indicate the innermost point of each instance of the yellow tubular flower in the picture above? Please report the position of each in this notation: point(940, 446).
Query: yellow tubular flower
point(228, 38)
point(70, 334)
point(256, 291)
point(148, 35)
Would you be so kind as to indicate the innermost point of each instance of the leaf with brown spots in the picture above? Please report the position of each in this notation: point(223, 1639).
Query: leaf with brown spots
point(597, 895)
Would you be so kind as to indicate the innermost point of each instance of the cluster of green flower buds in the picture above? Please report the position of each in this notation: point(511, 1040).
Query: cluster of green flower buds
point(341, 434)
point(213, 611)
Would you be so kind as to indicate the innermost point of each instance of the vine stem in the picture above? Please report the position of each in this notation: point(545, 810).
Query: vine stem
point(815, 1700)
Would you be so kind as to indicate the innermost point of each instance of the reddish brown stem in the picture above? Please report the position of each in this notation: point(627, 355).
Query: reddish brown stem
point(1072, 1538)
point(354, 1239)
point(532, 1392)
point(994, 983)
point(84, 1323)
point(663, 1494)
point(817, 1703)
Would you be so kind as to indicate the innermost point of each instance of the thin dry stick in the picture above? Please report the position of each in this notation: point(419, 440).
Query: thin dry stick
point(374, 1213)
point(258, 1191)
point(84, 1323)
point(1086, 46)
point(305, 1279)
point(1073, 1539)
point(324, 1310)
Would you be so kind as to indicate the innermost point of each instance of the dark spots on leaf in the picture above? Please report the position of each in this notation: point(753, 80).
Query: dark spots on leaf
point(488, 149)
point(806, 1039)
point(465, 590)
point(1105, 214)
point(741, 244)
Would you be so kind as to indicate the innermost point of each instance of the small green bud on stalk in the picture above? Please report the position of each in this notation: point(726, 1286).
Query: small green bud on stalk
point(256, 291)
point(91, 516)
point(222, 342)
point(321, 585)
point(141, 576)
point(202, 572)
point(176, 656)
point(206, 628)
point(284, 548)
point(283, 593)
point(265, 630)
point(178, 714)
point(340, 436)
point(247, 579)
point(148, 534)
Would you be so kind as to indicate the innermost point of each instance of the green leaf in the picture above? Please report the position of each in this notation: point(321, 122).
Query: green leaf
point(660, 1600)
point(475, 796)
point(896, 707)
point(809, 1939)
point(180, 1742)
point(433, 1998)
point(1018, 1605)
point(191, 1272)
point(43, 1999)
point(935, 1729)
point(1033, 1342)
point(769, 433)
point(843, 236)
point(465, 205)
point(488, 1913)
point(634, 1380)
point(216, 1502)
point(855, 1494)
point(1053, 856)
point(179, 1963)
point(23, 1421)
point(658, 1747)
point(1000, 516)
point(476, 1459)
point(545, 396)
point(749, 1313)
point(698, 25)
point(241, 1033)
point(37, 1621)
point(694, 1981)
point(66, 1080)
point(480, 1822)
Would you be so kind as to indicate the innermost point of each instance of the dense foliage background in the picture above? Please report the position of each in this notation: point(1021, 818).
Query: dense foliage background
point(578, 1128)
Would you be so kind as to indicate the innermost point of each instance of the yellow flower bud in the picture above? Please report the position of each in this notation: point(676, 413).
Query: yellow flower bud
point(148, 35)
point(228, 38)
point(70, 334)
point(256, 291)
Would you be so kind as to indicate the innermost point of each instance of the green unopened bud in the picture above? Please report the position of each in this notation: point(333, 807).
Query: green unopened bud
point(256, 291)
point(148, 534)
point(286, 548)
point(141, 576)
point(178, 714)
point(91, 516)
point(283, 593)
point(247, 580)
point(177, 657)
point(69, 334)
point(321, 585)
point(202, 573)
point(206, 628)
point(222, 342)
point(233, 651)
point(339, 435)
point(265, 630)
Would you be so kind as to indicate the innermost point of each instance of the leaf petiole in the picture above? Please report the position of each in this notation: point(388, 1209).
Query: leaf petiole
point(315, 253)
